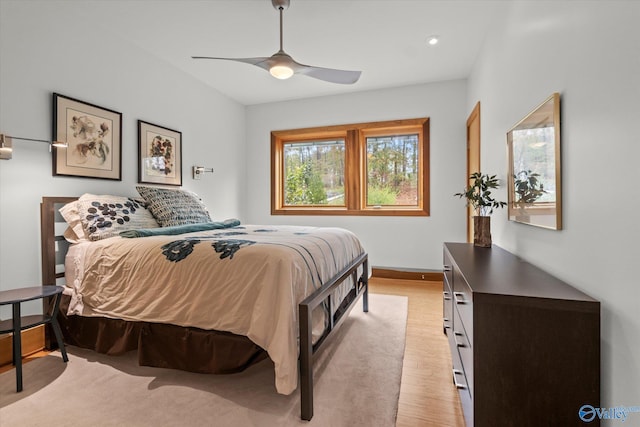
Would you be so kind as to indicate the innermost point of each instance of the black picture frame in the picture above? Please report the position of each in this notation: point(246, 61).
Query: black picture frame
point(159, 155)
point(94, 139)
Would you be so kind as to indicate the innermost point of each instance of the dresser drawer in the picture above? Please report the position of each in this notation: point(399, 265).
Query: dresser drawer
point(460, 382)
point(447, 305)
point(464, 349)
point(463, 302)
point(448, 267)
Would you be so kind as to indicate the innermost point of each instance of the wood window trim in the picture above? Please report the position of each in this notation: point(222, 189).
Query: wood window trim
point(355, 177)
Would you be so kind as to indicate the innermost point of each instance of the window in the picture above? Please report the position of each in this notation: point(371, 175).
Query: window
point(378, 168)
point(314, 173)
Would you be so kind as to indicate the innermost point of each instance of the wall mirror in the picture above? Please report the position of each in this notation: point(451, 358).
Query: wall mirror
point(534, 190)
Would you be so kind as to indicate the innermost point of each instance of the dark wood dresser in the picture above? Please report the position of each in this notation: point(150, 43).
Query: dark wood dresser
point(525, 345)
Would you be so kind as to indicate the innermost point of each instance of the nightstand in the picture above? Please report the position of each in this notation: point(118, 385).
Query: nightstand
point(17, 296)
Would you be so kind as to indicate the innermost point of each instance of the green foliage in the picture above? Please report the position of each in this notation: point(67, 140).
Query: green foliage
point(527, 187)
point(381, 196)
point(304, 186)
point(392, 163)
point(478, 194)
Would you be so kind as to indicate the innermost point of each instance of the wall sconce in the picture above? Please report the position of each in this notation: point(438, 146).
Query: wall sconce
point(199, 170)
point(6, 145)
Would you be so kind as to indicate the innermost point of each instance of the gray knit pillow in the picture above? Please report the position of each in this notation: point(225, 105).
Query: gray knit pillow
point(174, 207)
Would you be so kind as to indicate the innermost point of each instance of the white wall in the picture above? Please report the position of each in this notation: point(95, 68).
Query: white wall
point(590, 53)
point(50, 47)
point(406, 242)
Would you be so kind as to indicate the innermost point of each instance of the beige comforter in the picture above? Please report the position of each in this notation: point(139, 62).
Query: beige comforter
point(247, 280)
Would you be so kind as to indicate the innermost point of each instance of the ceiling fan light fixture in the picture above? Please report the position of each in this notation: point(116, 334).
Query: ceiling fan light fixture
point(281, 72)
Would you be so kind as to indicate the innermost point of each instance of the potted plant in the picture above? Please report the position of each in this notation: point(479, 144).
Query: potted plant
point(478, 195)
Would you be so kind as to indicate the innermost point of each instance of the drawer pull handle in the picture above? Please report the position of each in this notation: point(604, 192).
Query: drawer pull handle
point(459, 297)
point(458, 385)
point(445, 323)
point(447, 296)
point(447, 268)
point(455, 338)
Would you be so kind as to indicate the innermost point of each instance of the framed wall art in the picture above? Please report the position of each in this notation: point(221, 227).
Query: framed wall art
point(94, 138)
point(159, 155)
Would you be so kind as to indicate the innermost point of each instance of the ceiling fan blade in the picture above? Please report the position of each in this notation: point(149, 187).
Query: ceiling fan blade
point(326, 74)
point(331, 75)
point(260, 62)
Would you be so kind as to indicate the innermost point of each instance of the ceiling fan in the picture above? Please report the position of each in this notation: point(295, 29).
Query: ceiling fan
point(282, 66)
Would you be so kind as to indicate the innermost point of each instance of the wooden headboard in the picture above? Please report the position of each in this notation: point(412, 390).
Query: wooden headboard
point(53, 245)
point(53, 248)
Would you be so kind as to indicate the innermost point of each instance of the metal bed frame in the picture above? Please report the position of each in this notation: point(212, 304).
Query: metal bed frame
point(54, 248)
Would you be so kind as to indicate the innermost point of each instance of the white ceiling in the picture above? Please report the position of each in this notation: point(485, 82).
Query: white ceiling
point(385, 39)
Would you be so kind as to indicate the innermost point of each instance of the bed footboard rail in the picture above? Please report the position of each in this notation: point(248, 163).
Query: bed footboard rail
point(305, 309)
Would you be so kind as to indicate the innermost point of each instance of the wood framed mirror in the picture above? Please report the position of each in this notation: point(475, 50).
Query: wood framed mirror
point(534, 189)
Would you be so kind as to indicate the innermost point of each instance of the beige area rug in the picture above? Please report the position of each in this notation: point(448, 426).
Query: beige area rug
point(357, 383)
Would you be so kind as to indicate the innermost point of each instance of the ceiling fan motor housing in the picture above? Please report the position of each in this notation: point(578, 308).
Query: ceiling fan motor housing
point(278, 4)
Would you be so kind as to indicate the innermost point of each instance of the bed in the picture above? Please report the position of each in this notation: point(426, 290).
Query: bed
point(218, 297)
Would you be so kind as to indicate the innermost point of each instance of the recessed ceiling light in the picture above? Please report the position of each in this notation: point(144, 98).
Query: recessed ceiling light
point(433, 40)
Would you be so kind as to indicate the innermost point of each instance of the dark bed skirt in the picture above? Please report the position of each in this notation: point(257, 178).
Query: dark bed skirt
point(161, 345)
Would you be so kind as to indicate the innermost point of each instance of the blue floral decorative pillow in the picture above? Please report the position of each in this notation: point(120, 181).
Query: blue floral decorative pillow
point(174, 207)
point(99, 217)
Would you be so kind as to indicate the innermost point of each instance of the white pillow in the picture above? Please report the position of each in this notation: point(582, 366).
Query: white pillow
point(70, 214)
point(98, 217)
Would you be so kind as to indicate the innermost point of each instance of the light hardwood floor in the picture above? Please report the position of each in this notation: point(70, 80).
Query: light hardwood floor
point(427, 394)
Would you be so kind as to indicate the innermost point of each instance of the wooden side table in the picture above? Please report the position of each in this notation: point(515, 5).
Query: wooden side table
point(17, 296)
